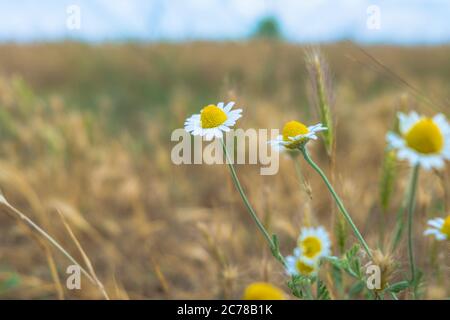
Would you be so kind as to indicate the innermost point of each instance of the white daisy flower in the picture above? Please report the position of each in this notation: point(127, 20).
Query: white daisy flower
point(213, 120)
point(439, 228)
point(423, 141)
point(294, 134)
point(314, 244)
point(297, 265)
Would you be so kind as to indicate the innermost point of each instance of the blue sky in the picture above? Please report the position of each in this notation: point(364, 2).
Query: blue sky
point(401, 21)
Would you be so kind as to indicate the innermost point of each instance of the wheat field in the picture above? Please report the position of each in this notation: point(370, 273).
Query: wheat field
point(85, 132)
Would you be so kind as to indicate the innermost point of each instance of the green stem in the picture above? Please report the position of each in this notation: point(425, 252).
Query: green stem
point(336, 198)
point(308, 291)
point(411, 204)
point(400, 215)
point(273, 246)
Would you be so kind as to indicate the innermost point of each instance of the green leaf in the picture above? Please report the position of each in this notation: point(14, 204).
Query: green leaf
point(356, 288)
point(336, 262)
point(301, 286)
point(336, 273)
point(294, 289)
point(355, 266)
point(387, 178)
point(418, 283)
point(398, 287)
point(10, 282)
point(353, 263)
point(322, 291)
point(340, 228)
point(352, 252)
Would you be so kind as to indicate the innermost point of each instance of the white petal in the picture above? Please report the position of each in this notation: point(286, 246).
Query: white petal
point(229, 106)
point(429, 162)
point(408, 154)
point(233, 117)
point(441, 121)
point(436, 223)
point(317, 128)
point(218, 133)
point(406, 121)
point(394, 140)
point(441, 237)
point(235, 111)
point(229, 123)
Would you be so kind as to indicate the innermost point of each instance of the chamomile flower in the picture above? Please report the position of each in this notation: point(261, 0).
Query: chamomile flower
point(294, 134)
point(422, 141)
point(213, 120)
point(298, 265)
point(263, 291)
point(313, 244)
point(439, 228)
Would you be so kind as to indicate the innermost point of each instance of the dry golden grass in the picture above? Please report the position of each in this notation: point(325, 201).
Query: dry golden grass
point(86, 130)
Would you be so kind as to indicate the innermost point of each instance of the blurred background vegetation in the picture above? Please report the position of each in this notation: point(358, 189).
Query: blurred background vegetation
point(86, 129)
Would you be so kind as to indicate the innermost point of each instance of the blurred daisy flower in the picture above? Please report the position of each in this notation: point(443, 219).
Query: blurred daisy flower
point(422, 141)
point(298, 265)
point(294, 134)
point(263, 291)
point(314, 243)
point(439, 228)
point(213, 120)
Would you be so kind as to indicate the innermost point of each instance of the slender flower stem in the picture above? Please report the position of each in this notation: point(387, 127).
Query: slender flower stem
point(273, 246)
point(336, 198)
point(411, 205)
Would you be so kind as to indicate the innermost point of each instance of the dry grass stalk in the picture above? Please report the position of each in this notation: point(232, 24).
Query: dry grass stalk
point(86, 259)
point(322, 94)
point(160, 276)
point(50, 261)
point(16, 214)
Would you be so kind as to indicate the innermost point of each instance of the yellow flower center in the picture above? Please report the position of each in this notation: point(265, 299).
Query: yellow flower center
point(293, 129)
point(425, 137)
point(446, 227)
point(311, 247)
point(263, 291)
point(212, 116)
point(304, 268)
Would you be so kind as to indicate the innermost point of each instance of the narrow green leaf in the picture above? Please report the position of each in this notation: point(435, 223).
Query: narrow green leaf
point(398, 287)
point(387, 181)
point(356, 288)
point(322, 291)
point(336, 273)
